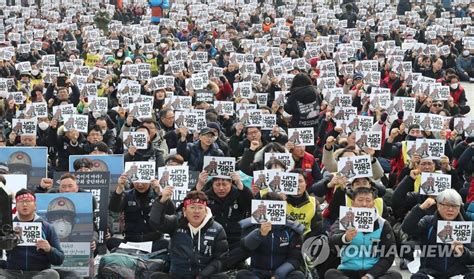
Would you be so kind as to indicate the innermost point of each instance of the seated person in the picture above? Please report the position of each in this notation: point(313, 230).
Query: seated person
point(364, 265)
point(197, 242)
point(33, 261)
point(136, 204)
point(275, 249)
point(419, 224)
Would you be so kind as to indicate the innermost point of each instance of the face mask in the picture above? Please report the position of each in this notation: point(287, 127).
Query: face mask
point(119, 54)
point(34, 72)
point(43, 125)
point(163, 45)
point(63, 228)
point(149, 56)
point(208, 46)
point(454, 86)
point(104, 131)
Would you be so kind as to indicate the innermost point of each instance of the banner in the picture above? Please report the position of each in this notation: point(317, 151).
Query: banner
point(30, 161)
point(71, 216)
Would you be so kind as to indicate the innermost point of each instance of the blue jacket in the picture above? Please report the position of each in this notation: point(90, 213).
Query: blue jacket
point(27, 258)
point(163, 4)
point(278, 252)
point(364, 260)
point(193, 153)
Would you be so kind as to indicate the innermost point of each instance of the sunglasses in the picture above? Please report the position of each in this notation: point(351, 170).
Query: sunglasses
point(437, 105)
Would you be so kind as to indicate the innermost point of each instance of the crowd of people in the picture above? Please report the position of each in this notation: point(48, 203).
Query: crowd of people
point(319, 81)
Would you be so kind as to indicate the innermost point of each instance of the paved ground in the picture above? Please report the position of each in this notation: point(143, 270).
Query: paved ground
point(469, 88)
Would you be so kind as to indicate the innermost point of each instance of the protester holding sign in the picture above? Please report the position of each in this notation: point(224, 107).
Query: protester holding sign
point(136, 206)
point(424, 226)
point(194, 152)
point(364, 264)
point(148, 154)
point(33, 261)
point(275, 249)
point(197, 241)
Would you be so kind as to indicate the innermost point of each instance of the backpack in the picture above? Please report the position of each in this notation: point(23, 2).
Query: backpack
point(129, 263)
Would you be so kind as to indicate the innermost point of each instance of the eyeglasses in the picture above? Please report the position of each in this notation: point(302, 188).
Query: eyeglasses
point(24, 202)
point(449, 206)
point(437, 105)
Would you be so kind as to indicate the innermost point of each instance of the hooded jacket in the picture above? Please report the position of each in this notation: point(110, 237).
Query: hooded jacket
point(27, 258)
point(193, 251)
point(303, 104)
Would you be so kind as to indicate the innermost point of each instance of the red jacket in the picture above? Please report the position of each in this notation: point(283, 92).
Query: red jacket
point(225, 92)
point(307, 166)
point(457, 94)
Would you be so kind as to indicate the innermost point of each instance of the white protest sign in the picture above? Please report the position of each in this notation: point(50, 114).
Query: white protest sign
point(281, 182)
point(369, 139)
point(224, 107)
point(361, 219)
point(61, 110)
point(434, 183)
point(301, 136)
point(430, 148)
point(187, 120)
point(268, 211)
point(251, 117)
point(450, 231)
point(219, 166)
point(140, 171)
point(141, 110)
point(28, 232)
point(268, 121)
point(355, 167)
point(36, 110)
point(24, 127)
point(76, 122)
point(176, 176)
point(285, 158)
point(137, 139)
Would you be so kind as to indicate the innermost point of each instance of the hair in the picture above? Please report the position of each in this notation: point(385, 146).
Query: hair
point(175, 158)
point(346, 150)
point(82, 162)
point(274, 146)
point(95, 128)
point(143, 127)
point(163, 112)
point(3, 180)
point(24, 191)
point(272, 196)
point(274, 161)
point(451, 196)
point(299, 171)
point(450, 77)
point(301, 80)
point(363, 190)
point(196, 195)
point(68, 175)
